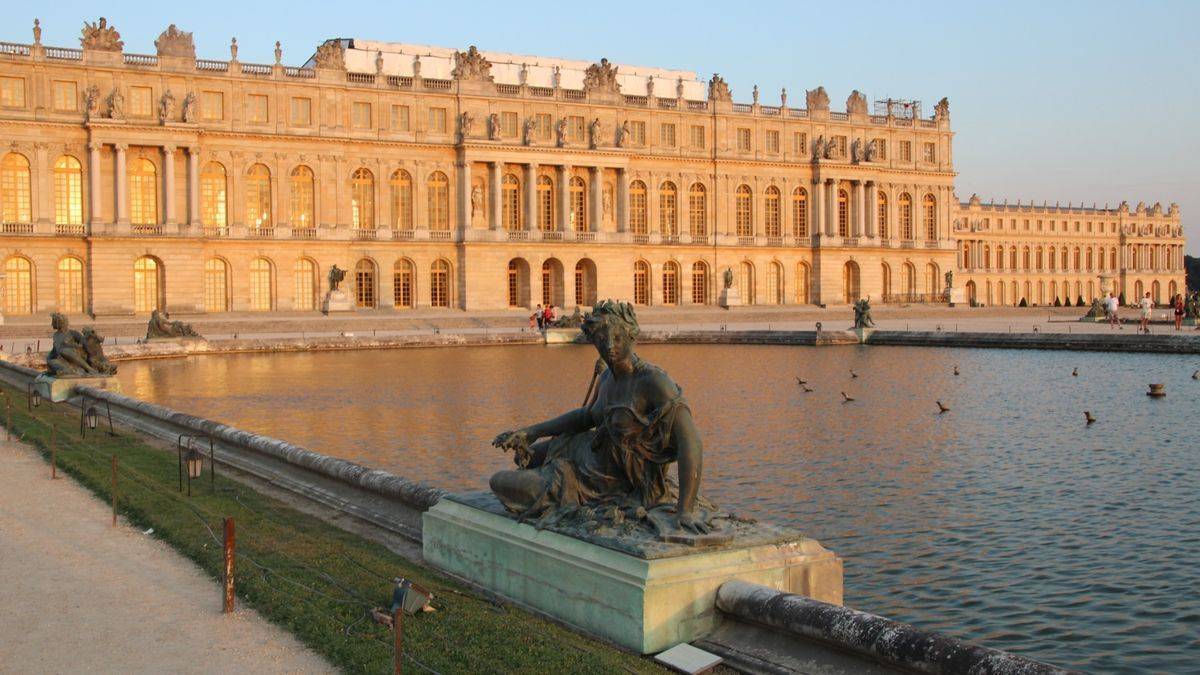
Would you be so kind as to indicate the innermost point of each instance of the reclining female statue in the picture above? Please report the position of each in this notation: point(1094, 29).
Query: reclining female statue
point(611, 456)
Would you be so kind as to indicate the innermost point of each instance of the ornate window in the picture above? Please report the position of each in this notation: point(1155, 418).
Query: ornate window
point(14, 189)
point(1077, 267)
point(800, 212)
point(143, 192)
point(929, 209)
point(439, 284)
point(699, 283)
point(744, 211)
point(262, 285)
point(212, 195)
point(216, 285)
point(258, 197)
point(68, 191)
point(668, 211)
point(147, 285)
point(303, 206)
point(404, 278)
point(545, 204)
point(698, 210)
point(775, 284)
point(364, 283)
point(18, 285)
point(802, 280)
point(670, 283)
point(771, 216)
point(641, 282)
point(883, 215)
point(439, 201)
point(637, 208)
point(1025, 258)
point(1052, 259)
point(578, 217)
point(843, 214)
point(70, 284)
point(906, 224)
point(362, 200)
point(402, 200)
point(304, 285)
point(516, 283)
point(746, 282)
point(510, 202)
point(886, 277)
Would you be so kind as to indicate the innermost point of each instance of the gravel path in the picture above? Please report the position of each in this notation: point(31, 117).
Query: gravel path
point(79, 595)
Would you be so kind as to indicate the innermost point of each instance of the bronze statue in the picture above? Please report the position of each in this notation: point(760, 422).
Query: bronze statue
point(93, 348)
point(1097, 310)
point(607, 461)
point(728, 278)
point(75, 354)
point(160, 326)
point(862, 314)
point(574, 321)
point(336, 274)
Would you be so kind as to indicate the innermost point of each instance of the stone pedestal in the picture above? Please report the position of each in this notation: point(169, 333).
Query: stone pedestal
point(644, 599)
point(337, 301)
point(59, 389)
point(730, 298)
point(562, 336)
point(956, 295)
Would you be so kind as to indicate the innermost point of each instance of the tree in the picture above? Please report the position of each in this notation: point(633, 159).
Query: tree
point(1023, 303)
point(1057, 302)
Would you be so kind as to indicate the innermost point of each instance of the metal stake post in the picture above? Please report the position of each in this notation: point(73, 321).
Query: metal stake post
point(398, 641)
point(53, 453)
point(114, 489)
point(228, 566)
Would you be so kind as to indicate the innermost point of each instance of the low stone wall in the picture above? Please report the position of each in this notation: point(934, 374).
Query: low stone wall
point(1118, 342)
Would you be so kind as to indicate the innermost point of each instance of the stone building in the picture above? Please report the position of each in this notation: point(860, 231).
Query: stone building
point(458, 179)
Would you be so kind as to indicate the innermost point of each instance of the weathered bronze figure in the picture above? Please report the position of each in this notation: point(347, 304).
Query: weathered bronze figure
point(606, 462)
point(75, 354)
point(160, 326)
point(862, 314)
point(336, 274)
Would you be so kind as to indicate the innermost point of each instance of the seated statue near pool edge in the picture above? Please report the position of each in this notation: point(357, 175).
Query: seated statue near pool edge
point(75, 354)
point(160, 326)
point(604, 465)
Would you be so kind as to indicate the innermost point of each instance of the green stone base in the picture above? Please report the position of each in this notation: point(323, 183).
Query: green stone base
point(646, 605)
point(59, 389)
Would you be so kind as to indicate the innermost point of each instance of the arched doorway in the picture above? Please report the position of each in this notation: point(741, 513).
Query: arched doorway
point(885, 276)
point(518, 283)
point(1156, 293)
point(746, 282)
point(909, 288)
point(933, 282)
point(147, 285)
point(775, 283)
point(364, 283)
point(700, 283)
point(802, 282)
point(585, 282)
point(670, 283)
point(971, 294)
point(404, 282)
point(851, 288)
point(552, 283)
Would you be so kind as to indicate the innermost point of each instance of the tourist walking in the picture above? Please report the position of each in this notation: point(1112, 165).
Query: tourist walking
point(540, 315)
point(1114, 307)
point(1178, 312)
point(1147, 306)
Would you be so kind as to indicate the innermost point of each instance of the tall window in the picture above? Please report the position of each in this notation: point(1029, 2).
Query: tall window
point(578, 214)
point(439, 201)
point(641, 283)
point(744, 211)
point(515, 298)
point(929, 212)
point(362, 199)
point(906, 224)
point(14, 189)
point(882, 205)
point(303, 206)
point(212, 106)
point(510, 202)
point(18, 286)
point(746, 282)
point(771, 215)
point(775, 283)
point(301, 110)
point(637, 208)
point(212, 195)
point(668, 209)
point(403, 278)
point(402, 200)
point(364, 283)
point(216, 285)
point(439, 284)
point(698, 210)
point(1051, 258)
point(545, 204)
point(304, 285)
point(699, 283)
point(143, 192)
point(68, 191)
point(147, 291)
point(843, 214)
point(802, 281)
point(743, 140)
point(262, 285)
point(70, 284)
point(437, 120)
point(800, 212)
point(258, 197)
point(360, 116)
point(12, 92)
point(670, 283)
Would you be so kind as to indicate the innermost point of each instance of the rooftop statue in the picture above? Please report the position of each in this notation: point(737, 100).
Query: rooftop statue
point(941, 111)
point(862, 314)
point(718, 89)
point(856, 103)
point(75, 354)
point(817, 99)
point(331, 55)
point(160, 326)
point(472, 65)
point(604, 465)
point(601, 77)
point(175, 42)
point(101, 37)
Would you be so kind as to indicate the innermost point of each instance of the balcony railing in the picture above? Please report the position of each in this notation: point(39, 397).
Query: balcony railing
point(585, 236)
point(518, 235)
point(365, 235)
point(261, 232)
point(140, 60)
point(148, 229)
point(216, 231)
point(914, 297)
point(69, 230)
point(552, 235)
point(402, 235)
point(16, 228)
point(439, 235)
point(641, 239)
point(304, 233)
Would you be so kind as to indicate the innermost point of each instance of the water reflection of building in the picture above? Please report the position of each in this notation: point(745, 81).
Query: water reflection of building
point(468, 179)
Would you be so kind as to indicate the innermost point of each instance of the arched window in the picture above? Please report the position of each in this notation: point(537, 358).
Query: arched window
point(1025, 258)
point(933, 280)
point(258, 197)
point(641, 282)
point(362, 200)
point(545, 204)
point(578, 215)
point(439, 201)
point(1076, 260)
point(929, 211)
point(882, 205)
point(1000, 257)
point(851, 282)
point(771, 215)
point(302, 206)
point(147, 285)
point(744, 211)
point(439, 284)
point(216, 285)
point(70, 284)
point(700, 283)
point(1040, 259)
point(1065, 266)
point(698, 210)
point(404, 278)
point(262, 285)
point(987, 257)
point(304, 285)
point(212, 195)
point(15, 203)
point(909, 287)
point(1051, 259)
point(364, 283)
point(1090, 260)
point(885, 272)
point(68, 191)
point(143, 192)
point(585, 282)
point(1112, 261)
point(843, 214)
point(803, 274)
point(518, 283)
point(906, 224)
point(637, 208)
point(670, 283)
point(402, 200)
point(510, 202)
point(746, 282)
point(1012, 258)
point(800, 212)
point(775, 283)
point(18, 285)
point(552, 283)
point(668, 210)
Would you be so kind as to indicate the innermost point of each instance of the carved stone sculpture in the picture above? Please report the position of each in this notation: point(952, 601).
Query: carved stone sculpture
point(471, 66)
point(560, 132)
point(336, 274)
point(602, 78)
point(623, 134)
point(816, 99)
point(606, 203)
point(754, 95)
point(278, 53)
point(870, 151)
point(941, 111)
point(856, 103)
point(75, 354)
point(820, 148)
point(330, 55)
point(160, 326)
point(93, 348)
point(116, 104)
point(175, 42)
point(189, 107)
point(91, 102)
point(862, 314)
point(233, 49)
point(950, 279)
point(594, 133)
point(718, 90)
point(529, 131)
point(856, 151)
point(166, 107)
point(465, 122)
point(493, 126)
point(101, 37)
point(476, 201)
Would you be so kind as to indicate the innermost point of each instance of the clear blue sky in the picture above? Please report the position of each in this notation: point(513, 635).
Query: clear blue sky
point(1071, 101)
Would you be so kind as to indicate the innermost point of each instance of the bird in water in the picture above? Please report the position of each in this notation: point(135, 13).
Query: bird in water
point(852, 373)
point(801, 381)
point(1075, 373)
point(1196, 375)
point(1087, 415)
point(956, 370)
point(807, 389)
point(845, 398)
point(942, 408)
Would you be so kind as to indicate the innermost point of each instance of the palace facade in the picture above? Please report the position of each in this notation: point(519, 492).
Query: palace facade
point(481, 180)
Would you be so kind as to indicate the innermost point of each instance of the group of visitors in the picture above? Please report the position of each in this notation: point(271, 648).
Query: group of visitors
point(1147, 307)
point(543, 318)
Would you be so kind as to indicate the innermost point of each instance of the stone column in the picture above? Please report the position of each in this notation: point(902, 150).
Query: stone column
point(831, 208)
point(493, 202)
point(595, 196)
point(193, 179)
point(531, 205)
point(122, 184)
point(564, 201)
point(816, 216)
point(169, 184)
point(94, 182)
point(42, 208)
point(871, 209)
point(464, 194)
point(857, 217)
point(622, 200)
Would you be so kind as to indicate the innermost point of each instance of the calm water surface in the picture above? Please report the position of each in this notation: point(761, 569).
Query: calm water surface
point(1006, 520)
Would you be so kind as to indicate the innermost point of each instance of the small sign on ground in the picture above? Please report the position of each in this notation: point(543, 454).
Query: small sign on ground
point(688, 659)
